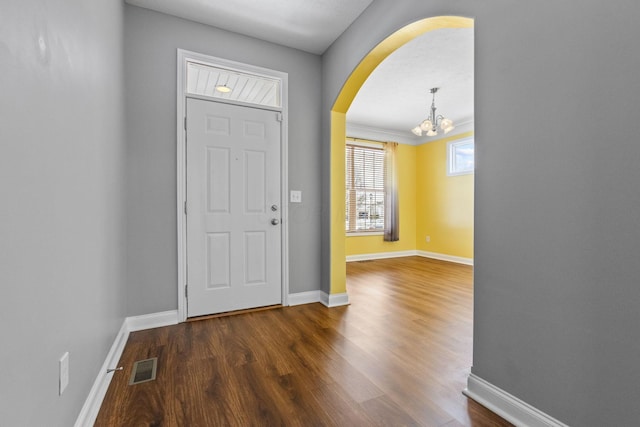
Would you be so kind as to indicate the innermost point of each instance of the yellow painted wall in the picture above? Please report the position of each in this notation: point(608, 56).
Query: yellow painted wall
point(431, 204)
point(356, 245)
point(444, 204)
point(338, 190)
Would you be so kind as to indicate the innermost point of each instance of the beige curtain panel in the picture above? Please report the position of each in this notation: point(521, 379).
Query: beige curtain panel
point(391, 209)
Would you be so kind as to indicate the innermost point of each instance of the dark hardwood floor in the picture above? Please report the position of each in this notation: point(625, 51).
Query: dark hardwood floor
point(398, 355)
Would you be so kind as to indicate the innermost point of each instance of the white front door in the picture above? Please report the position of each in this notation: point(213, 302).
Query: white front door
point(233, 208)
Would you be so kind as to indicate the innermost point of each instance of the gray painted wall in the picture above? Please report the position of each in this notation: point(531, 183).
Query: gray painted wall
point(556, 205)
point(557, 229)
point(150, 59)
point(62, 226)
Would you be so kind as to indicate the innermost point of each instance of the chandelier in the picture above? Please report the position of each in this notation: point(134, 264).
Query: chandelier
point(430, 125)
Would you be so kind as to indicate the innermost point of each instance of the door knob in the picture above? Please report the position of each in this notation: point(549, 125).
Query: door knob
point(275, 221)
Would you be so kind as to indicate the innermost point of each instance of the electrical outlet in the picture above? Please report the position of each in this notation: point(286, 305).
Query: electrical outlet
point(296, 196)
point(64, 373)
point(428, 239)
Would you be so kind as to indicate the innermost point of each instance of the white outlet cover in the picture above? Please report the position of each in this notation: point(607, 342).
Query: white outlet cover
point(64, 372)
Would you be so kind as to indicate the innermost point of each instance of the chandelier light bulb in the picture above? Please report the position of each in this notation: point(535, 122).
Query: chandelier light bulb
point(426, 125)
point(446, 125)
point(416, 130)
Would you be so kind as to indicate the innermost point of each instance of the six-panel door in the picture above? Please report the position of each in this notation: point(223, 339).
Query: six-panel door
point(233, 208)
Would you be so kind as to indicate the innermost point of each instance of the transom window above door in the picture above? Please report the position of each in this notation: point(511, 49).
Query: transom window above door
point(233, 85)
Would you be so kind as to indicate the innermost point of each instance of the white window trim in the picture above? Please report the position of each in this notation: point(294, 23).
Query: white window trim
point(365, 144)
point(364, 233)
point(451, 147)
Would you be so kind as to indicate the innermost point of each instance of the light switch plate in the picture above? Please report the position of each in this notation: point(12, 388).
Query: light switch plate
point(296, 196)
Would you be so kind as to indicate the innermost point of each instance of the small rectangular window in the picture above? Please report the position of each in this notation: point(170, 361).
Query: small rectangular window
point(460, 157)
point(364, 188)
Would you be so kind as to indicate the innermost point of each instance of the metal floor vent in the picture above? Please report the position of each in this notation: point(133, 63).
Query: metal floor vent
point(143, 371)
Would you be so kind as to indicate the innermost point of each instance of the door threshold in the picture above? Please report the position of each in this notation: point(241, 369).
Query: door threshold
point(233, 313)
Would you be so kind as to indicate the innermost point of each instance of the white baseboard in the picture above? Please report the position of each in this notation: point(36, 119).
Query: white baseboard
point(445, 257)
point(334, 300)
point(400, 254)
point(506, 405)
point(153, 320)
point(380, 255)
point(91, 407)
point(300, 298)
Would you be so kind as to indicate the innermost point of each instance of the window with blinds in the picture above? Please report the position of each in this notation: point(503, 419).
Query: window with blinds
point(365, 188)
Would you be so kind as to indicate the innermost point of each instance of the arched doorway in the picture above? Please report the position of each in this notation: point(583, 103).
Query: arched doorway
point(338, 131)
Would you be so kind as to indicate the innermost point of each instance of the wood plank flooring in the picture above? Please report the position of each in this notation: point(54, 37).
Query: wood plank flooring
point(398, 355)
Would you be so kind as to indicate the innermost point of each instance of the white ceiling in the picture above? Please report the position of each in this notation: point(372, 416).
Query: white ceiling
point(396, 96)
point(309, 25)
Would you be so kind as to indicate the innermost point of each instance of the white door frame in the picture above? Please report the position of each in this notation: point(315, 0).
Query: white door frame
point(185, 56)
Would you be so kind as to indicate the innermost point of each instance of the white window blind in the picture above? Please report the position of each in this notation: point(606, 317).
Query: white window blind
point(364, 188)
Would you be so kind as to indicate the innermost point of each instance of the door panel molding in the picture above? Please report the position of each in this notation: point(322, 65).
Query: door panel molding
point(184, 56)
point(233, 255)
